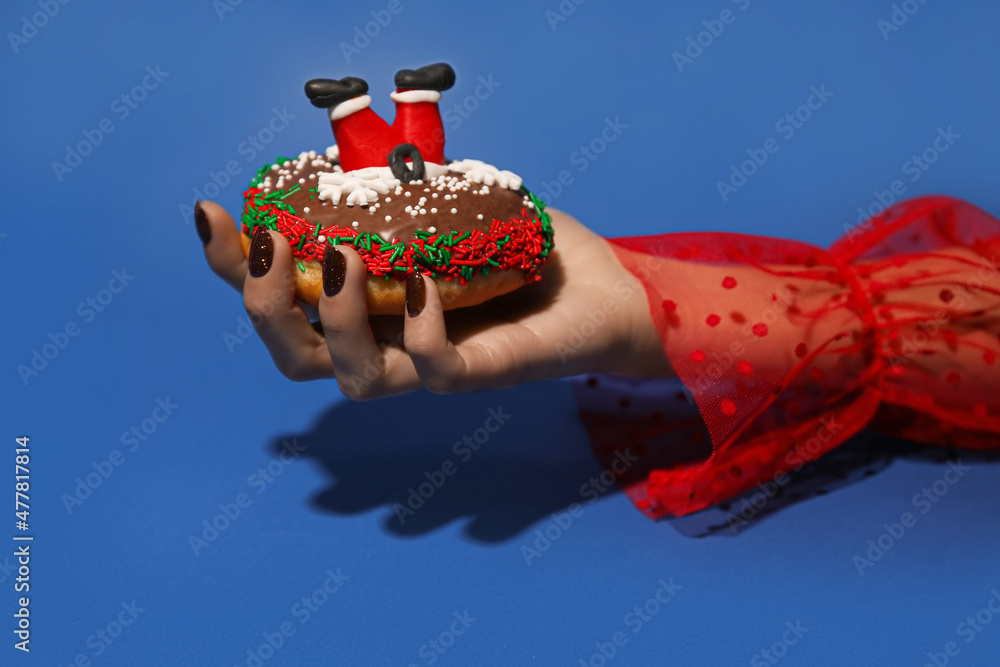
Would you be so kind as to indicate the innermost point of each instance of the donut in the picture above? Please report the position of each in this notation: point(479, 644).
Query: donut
point(387, 191)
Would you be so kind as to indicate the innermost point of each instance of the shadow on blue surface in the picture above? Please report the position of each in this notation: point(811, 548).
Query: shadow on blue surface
point(861, 457)
point(389, 452)
point(431, 461)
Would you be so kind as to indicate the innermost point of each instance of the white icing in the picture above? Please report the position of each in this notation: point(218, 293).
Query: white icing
point(333, 153)
point(362, 186)
point(352, 105)
point(415, 96)
point(480, 172)
point(432, 170)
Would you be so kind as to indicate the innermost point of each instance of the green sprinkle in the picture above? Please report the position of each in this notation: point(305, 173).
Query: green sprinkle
point(302, 267)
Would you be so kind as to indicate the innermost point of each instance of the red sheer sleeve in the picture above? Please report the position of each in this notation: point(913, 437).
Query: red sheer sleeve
point(788, 349)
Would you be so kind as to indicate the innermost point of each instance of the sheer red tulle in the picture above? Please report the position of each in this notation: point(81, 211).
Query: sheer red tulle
point(788, 349)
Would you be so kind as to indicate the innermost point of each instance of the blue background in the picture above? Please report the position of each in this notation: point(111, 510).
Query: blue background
point(126, 205)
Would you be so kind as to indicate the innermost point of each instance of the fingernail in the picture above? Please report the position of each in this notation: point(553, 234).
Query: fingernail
point(334, 270)
point(416, 293)
point(261, 252)
point(201, 224)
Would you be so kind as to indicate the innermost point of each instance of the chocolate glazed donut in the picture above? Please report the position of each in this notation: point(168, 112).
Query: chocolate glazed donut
point(475, 240)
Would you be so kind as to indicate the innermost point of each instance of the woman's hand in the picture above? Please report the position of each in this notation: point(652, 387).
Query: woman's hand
point(587, 314)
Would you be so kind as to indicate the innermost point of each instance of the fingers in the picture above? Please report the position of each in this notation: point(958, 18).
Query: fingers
point(297, 349)
point(364, 369)
point(441, 366)
point(222, 244)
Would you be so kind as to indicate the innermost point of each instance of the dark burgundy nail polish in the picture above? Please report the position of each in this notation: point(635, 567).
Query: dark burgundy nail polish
point(334, 270)
point(261, 252)
point(201, 224)
point(416, 293)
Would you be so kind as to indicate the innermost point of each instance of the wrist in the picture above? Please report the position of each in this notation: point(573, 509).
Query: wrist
point(639, 349)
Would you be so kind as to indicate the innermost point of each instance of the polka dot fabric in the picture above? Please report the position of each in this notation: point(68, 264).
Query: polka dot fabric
point(788, 349)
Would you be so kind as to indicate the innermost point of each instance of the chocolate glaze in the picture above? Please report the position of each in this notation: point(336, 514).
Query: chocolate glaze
point(500, 203)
